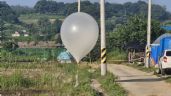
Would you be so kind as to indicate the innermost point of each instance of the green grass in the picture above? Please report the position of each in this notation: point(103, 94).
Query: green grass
point(109, 84)
point(30, 54)
point(57, 78)
point(15, 81)
point(24, 39)
point(33, 18)
point(168, 23)
point(168, 79)
point(116, 56)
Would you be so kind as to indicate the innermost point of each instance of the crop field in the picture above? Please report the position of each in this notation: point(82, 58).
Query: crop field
point(52, 79)
point(33, 18)
point(29, 54)
point(36, 72)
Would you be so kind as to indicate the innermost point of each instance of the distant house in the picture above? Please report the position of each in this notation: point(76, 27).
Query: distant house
point(64, 57)
point(26, 34)
point(16, 34)
point(24, 31)
point(58, 45)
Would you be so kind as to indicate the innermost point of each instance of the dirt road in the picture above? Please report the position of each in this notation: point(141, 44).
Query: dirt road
point(139, 83)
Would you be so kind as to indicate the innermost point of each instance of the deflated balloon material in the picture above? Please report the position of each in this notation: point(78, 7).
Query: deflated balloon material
point(79, 34)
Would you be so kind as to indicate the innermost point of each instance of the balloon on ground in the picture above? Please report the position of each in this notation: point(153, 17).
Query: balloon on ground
point(79, 34)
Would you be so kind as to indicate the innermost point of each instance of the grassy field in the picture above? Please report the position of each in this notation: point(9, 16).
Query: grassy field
point(116, 56)
point(51, 78)
point(36, 72)
point(29, 54)
point(168, 23)
point(33, 18)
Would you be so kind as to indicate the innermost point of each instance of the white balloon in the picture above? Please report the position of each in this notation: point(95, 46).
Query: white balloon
point(79, 34)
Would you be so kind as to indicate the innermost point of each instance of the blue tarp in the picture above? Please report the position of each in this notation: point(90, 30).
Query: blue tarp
point(157, 41)
point(64, 56)
point(158, 44)
point(154, 53)
point(165, 44)
point(168, 28)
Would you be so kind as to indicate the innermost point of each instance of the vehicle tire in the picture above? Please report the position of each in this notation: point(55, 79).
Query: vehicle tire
point(163, 72)
point(168, 71)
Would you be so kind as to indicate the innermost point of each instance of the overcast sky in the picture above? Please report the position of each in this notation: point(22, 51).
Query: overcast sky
point(31, 3)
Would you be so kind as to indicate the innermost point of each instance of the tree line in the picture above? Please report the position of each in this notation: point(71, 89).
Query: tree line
point(64, 9)
point(7, 14)
point(112, 9)
point(125, 23)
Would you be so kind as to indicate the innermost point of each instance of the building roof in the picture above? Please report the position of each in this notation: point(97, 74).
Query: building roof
point(64, 56)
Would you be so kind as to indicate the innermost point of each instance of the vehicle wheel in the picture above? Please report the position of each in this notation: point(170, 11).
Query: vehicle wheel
point(168, 71)
point(163, 72)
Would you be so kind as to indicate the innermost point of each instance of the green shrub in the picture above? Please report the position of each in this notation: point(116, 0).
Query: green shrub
point(117, 54)
point(10, 46)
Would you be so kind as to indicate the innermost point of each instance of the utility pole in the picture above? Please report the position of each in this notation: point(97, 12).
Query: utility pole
point(103, 39)
point(148, 48)
point(79, 5)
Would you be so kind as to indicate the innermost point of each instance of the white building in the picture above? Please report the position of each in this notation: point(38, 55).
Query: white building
point(26, 34)
point(16, 34)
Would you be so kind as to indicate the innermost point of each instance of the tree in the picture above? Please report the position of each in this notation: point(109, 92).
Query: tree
point(22, 10)
point(10, 46)
point(134, 33)
point(56, 26)
point(112, 9)
point(55, 29)
point(44, 25)
point(2, 36)
point(49, 6)
point(7, 14)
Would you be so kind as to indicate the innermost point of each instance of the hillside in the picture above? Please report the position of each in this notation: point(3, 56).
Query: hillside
point(43, 21)
point(7, 14)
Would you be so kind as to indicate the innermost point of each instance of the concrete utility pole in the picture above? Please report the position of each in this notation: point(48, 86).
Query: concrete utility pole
point(148, 49)
point(103, 39)
point(79, 5)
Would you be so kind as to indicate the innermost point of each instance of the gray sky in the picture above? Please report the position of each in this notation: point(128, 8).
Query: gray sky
point(31, 3)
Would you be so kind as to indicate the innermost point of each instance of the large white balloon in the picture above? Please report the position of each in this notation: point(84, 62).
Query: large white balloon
point(79, 34)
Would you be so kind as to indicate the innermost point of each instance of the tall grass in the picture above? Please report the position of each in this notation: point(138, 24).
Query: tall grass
point(59, 79)
point(29, 54)
point(15, 82)
point(109, 84)
point(117, 54)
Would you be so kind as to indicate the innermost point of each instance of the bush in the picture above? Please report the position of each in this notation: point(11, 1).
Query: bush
point(10, 46)
point(117, 54)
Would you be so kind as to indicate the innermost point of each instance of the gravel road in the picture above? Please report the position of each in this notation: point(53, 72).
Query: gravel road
point(139, 83)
